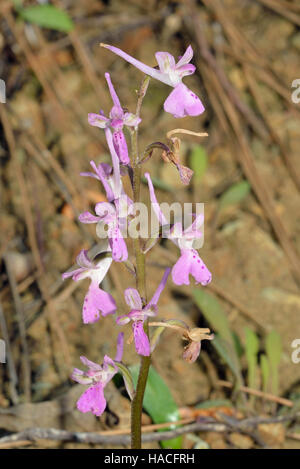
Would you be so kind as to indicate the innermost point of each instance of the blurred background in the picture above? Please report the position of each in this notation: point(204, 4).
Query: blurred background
point(246, 172)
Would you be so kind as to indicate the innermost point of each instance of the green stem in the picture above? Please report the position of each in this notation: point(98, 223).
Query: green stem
point(137, 403)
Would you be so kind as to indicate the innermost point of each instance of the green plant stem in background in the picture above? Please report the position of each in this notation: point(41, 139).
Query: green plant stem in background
point(137, 403)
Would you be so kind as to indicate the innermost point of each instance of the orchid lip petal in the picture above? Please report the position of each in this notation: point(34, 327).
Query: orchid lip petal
point(182, 102)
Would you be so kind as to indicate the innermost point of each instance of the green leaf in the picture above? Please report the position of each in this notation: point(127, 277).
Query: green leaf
point(224, 342)
point(265, 372)
point(214, 313)
point(235, 194)
point(274, 351)
point(227, 352)
point(47, 16)
point(198, 162)
point(159, 403)
point(251, 349)
point(214, 403)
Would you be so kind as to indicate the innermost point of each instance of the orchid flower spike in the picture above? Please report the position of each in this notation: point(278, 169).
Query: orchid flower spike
point(139, 314)
point(189, 261)
point(96, 300)
point(116, 121)
point(194, 337)
point(181, 101)
point(97, 377)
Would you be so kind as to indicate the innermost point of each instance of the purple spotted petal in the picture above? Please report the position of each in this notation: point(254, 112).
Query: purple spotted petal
point(96, 301)
point(183, 102)
point(120, 145)
point(141, 340)
point(118, 246)
point(92, 400)
point(190, 263)
point(133, 299)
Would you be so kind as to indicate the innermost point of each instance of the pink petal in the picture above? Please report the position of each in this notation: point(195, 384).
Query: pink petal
point(105, 210)
point(80, 377)
point(161, 286)
point(97, 120)
point(190, 263)
point(112, 91)
point(118, 246)
point(186, 70)
point(96, 301)
point(186, 58)
point(116, 177)
point(154, 204)
point(133, 299)
point(73, 273)
point(152, 72)
point(87, 217)
point(183, 102)
point(89, 364)
point(121, 146)
point(120, 346)
point(166, 61)
point(83, 259)
point(141, 340)
point(92, 400)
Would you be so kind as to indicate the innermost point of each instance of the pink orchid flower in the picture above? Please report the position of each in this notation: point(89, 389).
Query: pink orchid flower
point(181, 101)
point(116, 121)
point(107, 216)
point(97, 377)
point(139, 314)
point(189, 262)
point(96, 299)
